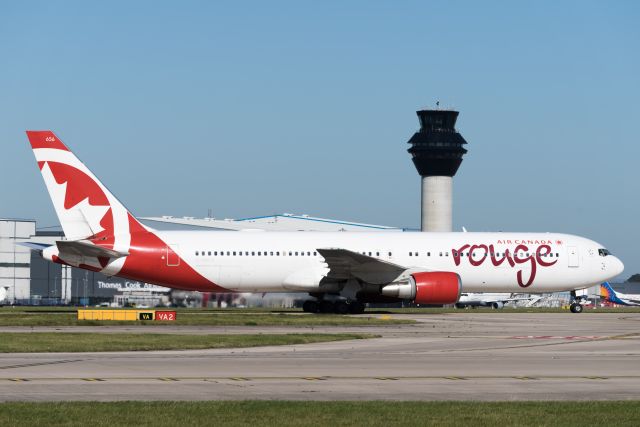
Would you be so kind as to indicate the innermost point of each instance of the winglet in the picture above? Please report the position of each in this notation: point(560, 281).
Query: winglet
point(45, 139)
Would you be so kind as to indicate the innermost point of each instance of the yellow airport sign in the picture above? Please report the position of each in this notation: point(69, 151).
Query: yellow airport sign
point(126, 315)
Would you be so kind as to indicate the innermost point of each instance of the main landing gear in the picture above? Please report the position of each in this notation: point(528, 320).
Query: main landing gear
point(337, 307)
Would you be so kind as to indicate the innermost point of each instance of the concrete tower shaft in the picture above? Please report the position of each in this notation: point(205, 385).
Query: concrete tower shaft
point(437, 150)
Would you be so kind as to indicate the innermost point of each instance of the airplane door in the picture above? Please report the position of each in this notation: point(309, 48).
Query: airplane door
point(574, 256)
point(173, 260)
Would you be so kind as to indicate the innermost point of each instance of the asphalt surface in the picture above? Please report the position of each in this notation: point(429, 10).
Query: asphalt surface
point(459, 356)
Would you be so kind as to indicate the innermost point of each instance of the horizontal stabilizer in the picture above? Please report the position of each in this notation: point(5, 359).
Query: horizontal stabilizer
point(34, 246)
point(87, 249)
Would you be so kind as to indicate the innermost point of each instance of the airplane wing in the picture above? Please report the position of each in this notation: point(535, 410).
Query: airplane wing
point(345, 264)
point(506, 300)
point(84, 248)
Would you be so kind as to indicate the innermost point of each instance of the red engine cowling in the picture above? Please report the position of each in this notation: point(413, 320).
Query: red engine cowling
point(436, 287)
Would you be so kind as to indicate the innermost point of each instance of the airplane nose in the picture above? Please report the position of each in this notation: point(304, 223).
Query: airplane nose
point(617, 267)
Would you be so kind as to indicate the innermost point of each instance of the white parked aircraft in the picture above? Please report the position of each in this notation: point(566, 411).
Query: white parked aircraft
point(607, 292)
point(341, 270)
point(489, 299)
point(3, 295)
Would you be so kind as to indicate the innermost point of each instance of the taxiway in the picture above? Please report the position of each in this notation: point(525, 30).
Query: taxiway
point(454, 356)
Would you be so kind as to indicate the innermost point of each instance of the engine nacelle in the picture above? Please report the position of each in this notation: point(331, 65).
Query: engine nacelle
point(430, 287)
point(497, 305)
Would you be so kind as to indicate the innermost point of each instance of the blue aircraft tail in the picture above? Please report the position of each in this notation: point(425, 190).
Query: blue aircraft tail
point(607, 292)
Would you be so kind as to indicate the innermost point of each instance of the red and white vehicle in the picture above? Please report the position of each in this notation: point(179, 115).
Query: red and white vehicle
point(341, 270)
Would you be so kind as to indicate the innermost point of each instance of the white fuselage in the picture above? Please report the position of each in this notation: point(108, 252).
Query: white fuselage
point(486, 262)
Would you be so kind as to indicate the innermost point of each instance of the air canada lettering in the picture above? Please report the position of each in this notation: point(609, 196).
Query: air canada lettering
point(478, 254)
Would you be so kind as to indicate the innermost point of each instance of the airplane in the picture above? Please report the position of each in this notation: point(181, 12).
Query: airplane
point(340, 271)
point(607, 292)
point(3, 295)
point(493, 300)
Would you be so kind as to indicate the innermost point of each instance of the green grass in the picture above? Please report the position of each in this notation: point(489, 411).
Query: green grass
point(29, 317)
point(66, 316)
point(55, 342)
point(505, 310)
point(283, 413)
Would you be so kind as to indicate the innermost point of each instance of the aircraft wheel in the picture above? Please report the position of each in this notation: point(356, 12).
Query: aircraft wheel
point(310, 306)
point(356, 307)
point(459, 306)
point(341, 307)
point(576, 308)
point(326, 307)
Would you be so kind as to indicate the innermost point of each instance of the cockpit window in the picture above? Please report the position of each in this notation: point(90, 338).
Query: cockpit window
point(603, 252)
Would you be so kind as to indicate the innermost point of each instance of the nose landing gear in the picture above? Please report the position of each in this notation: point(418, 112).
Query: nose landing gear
point(576, 306)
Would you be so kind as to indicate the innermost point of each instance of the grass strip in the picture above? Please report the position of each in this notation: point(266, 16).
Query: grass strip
point(21, 317)
point(287, 413)
point(62, 342)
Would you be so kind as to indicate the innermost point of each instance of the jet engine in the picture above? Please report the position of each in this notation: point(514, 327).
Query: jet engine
point(432, 287)
point(497, 305)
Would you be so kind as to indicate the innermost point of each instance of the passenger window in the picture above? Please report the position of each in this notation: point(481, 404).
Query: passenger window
point(377, 253)
point(417, 254)
point(196, 253)
point(389, 253)
point(234, 253)
point(277, 253)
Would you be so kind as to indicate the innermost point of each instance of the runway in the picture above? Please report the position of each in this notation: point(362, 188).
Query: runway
point(459, 356)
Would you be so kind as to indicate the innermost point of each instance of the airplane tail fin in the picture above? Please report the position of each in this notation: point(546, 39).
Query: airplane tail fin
point(607, 292)
point(85, 207)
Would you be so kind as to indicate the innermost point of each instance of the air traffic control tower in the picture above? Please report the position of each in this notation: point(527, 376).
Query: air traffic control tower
point(437, 150)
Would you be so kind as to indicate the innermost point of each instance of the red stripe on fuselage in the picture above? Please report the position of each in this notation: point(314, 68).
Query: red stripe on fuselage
point(147, 263)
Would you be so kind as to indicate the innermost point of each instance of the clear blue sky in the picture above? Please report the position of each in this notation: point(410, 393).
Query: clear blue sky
point(253, 108)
